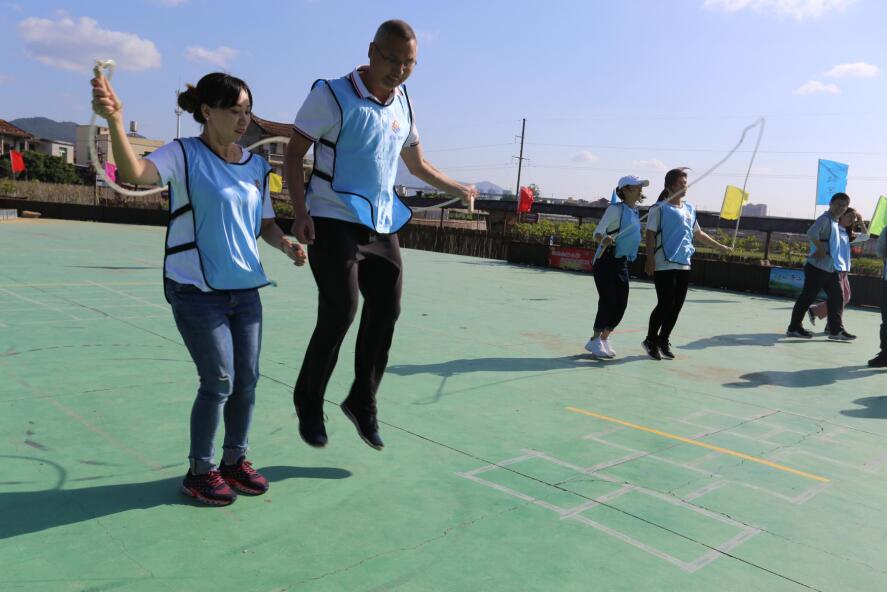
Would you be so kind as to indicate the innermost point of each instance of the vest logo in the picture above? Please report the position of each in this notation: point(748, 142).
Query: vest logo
point(395, 127)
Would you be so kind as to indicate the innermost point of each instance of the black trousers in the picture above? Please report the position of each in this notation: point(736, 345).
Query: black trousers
point(884, 317)
point(611, 279)
point(671, 291)
point(346, 259)
point(815, 280)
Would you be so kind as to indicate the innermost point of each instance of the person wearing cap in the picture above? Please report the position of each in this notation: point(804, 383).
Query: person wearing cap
point(671, 228)
point(619, 235)
point(360, 126)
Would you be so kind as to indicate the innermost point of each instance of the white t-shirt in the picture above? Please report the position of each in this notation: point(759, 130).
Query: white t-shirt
point(653, 219)
point(320, 117)
point(184, 267)
point(610, 221)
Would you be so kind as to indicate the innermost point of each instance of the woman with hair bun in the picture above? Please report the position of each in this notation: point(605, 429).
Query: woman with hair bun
point(671, 230)
point(219, 204)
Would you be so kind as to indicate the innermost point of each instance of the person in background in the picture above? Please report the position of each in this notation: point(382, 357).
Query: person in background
point(828, 248)
point(619, 235)
point(848, 220)
point(671, 229)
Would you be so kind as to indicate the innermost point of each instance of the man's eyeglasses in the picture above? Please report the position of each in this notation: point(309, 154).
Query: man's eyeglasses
point(407, 64)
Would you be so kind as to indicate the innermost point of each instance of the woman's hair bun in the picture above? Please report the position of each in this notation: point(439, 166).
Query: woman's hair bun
point(189, 100)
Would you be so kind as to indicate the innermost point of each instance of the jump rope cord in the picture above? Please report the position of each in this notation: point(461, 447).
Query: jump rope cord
point(758, 123)
point(108, 67)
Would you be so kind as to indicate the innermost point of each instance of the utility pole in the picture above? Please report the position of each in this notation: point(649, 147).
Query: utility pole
point(520, 159)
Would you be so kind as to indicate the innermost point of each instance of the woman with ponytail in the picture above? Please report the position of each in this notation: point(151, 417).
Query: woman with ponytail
point(671, 228)
point(219, 205)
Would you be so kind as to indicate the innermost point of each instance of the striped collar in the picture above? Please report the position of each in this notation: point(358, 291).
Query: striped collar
point(363, 92)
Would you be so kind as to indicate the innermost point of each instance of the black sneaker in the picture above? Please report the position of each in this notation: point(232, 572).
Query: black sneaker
point(208, 488)
point(366, 424)
point(841, 335)
point(879, 361)
point(799, 332)
point(243, 477)
point(651, 348)
point(665, 350)
point(311, 427)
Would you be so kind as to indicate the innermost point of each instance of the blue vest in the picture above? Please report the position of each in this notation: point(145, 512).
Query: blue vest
point(225, 201)
point(841, 255)
point(676, 231)
point(838, 247)
point(627, 244)
point(366, 154)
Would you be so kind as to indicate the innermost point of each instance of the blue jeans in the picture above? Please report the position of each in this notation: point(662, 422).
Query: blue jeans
point(223, 332)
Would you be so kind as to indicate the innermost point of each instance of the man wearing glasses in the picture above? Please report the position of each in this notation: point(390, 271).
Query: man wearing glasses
point(359, 125)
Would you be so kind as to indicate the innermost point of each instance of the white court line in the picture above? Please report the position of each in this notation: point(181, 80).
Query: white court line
point(793, 452)
point(796, 500)
point(95, 320)
point(43, 304)
point(575, 513)
point(703, 490)
point(136, 298)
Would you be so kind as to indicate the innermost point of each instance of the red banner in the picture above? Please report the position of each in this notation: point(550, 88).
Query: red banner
point(574, 258)
point(525, 201)
point(18, 163)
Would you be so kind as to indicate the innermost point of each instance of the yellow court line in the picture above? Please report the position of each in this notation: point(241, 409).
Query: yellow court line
point(701, 444)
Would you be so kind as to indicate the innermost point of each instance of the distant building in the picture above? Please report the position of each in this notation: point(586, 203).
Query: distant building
point(141, 145)
point(758, 210)
point(57, 148)
point(13, 138)
point(260, 129)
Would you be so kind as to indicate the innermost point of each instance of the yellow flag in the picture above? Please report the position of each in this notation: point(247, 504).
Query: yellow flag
point(734, 199)
point(275, 183)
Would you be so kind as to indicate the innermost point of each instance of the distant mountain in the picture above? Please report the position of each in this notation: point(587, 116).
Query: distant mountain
point(43, 127)
point(489, 188)
point(406, 179)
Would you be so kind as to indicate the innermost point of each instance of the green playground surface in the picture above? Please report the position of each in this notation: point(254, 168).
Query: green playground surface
point(513, 460)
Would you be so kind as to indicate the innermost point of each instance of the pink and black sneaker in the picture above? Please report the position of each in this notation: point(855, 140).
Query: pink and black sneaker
point(208, 488)
point(244, 478)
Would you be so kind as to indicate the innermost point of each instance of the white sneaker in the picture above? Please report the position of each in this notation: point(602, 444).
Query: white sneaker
point(611, 353)
point(596, 348)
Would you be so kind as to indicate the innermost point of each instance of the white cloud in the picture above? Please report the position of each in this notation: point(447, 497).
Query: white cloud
point(796, 9)
point(812, 87)
point(653, 164)
point(585, 157)
point(428, 36)
point(854, 70)
point(15, 7)
point(74, 44)
point(219, 56)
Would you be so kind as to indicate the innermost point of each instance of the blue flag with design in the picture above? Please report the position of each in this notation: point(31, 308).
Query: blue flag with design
point(830, 179)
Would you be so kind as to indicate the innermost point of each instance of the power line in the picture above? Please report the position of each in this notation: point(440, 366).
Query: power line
point(459, 148)
point(716, 174)
point(717, 150)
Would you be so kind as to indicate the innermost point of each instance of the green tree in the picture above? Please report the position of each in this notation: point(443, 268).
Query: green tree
point(43, 167)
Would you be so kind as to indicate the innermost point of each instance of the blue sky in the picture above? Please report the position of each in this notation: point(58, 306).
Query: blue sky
point(608, 88)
